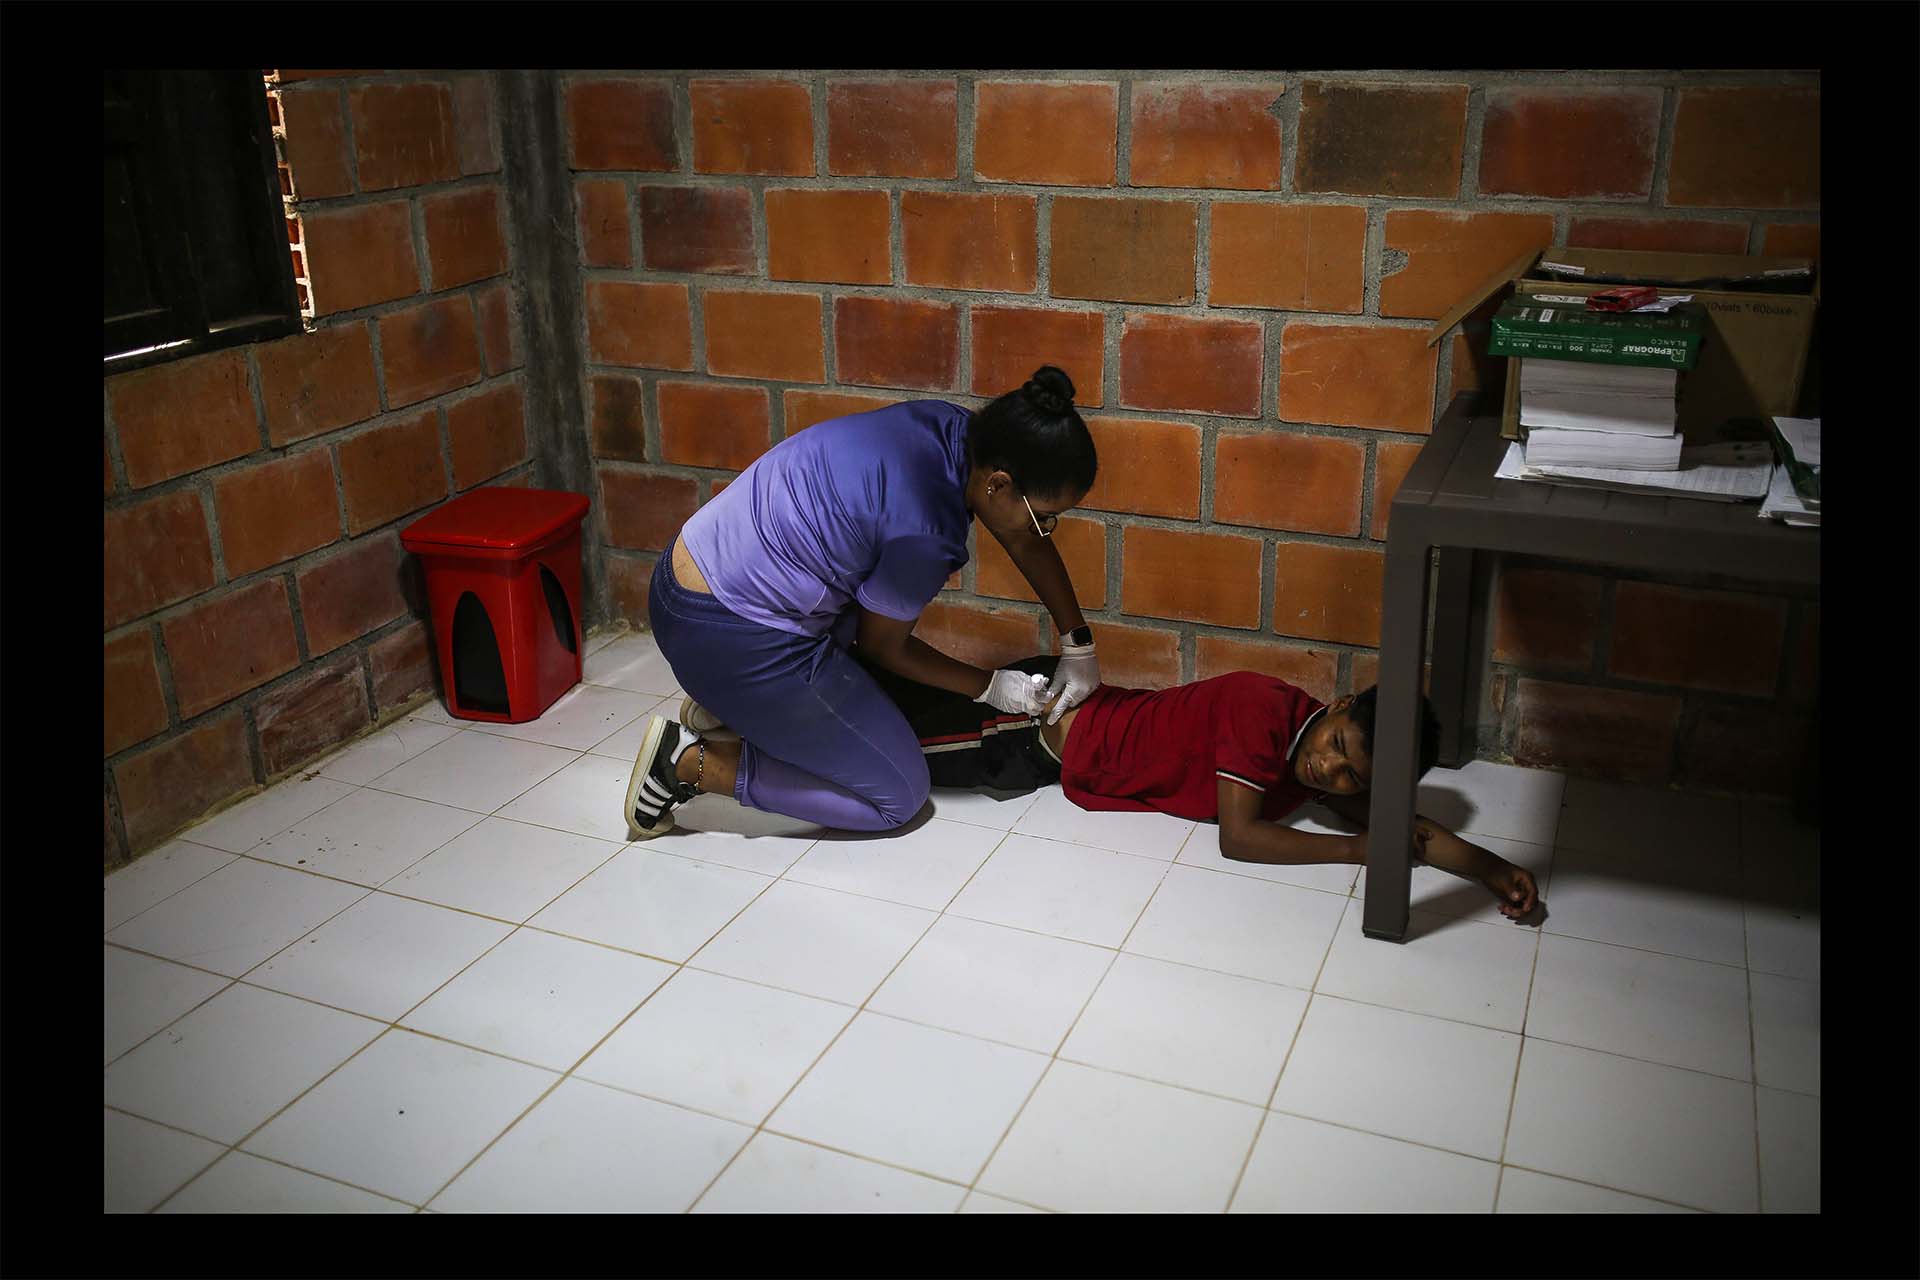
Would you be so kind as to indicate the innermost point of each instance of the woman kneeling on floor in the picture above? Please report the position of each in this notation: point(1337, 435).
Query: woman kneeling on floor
point(840, 535)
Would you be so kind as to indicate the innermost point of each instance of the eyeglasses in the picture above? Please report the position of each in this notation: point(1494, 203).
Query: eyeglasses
point(1042, 525)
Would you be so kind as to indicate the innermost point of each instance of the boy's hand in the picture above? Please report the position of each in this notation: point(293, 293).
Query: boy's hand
point(1514, 887)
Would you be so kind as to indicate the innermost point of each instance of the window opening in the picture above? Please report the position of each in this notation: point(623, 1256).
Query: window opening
point(290, 201)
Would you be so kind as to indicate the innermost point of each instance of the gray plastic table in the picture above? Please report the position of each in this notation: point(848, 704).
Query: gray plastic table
point(1451, 503)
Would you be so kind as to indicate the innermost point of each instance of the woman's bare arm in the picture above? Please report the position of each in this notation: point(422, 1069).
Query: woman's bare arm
point(890, 643)
point(1038, 561)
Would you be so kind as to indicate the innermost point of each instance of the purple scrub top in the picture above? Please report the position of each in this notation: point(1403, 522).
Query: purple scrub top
point(868, 509)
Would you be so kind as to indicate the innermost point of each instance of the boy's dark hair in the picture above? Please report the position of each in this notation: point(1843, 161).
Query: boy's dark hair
point(1362, 713)
point(1035, 435)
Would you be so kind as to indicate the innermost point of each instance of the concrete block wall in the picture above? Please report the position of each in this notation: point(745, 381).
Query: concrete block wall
point(1238, 271)
point(259, 609)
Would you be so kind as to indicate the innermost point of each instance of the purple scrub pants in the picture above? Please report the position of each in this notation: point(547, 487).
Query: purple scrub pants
point(819, 740)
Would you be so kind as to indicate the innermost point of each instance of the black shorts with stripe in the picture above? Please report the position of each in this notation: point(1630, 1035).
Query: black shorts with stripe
point(969, 744)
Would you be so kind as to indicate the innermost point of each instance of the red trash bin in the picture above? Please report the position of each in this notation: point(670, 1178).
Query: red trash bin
point(503, 593)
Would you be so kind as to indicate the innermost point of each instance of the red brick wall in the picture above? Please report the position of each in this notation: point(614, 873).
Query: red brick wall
point(1237, 270)
point(1232, 266)
point(259, 609)
point(1699, 682)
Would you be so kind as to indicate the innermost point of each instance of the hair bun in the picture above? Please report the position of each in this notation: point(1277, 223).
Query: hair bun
point(1050, 390)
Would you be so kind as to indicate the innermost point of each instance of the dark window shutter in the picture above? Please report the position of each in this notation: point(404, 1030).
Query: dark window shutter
point(195, 234)
point(150, 297)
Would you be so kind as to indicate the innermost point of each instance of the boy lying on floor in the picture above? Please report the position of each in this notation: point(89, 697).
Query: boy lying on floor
point(1245, 749)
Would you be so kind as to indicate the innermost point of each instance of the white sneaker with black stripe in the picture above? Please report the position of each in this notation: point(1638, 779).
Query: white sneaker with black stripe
point(653, 790)
point(704, 723)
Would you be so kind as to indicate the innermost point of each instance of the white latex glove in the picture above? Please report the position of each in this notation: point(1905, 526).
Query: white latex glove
point(1016, 693)
point(1076, 675)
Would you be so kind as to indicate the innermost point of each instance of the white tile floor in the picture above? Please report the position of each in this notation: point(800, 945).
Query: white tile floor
point(432, 973)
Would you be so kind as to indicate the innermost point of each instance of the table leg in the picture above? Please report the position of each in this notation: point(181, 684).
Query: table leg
point(1395, 728)
point(1451, 607)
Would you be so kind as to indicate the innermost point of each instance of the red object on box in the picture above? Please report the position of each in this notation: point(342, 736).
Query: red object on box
point(1622, 298)
point(503, 592)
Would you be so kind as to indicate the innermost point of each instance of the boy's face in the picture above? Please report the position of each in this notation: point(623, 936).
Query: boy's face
point(1330, 758)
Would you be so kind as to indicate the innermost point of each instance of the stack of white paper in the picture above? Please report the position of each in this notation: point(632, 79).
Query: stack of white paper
point(1803, 437)
point(1782, 503)
point(1558, 447)
point(1601, 414)
point(1718, 482)
point(1605, 379)
point(1582, 414)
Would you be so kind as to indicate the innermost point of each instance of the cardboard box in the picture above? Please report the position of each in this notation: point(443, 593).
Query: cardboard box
point(1755, 354)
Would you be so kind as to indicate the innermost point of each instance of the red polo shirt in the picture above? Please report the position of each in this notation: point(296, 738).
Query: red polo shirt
point(1166, 749)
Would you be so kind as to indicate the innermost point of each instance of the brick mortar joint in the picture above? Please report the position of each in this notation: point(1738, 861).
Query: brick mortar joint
point(1663, 150)
point(1113, 411)
point(1115, 613)
point(354, 652)
point(834, 291)
point(1473, 202)
point(411, 192)
point(293, 567)
point(1601, 679)
point(330, 438)
point(1472, 138)
point(1544, 78)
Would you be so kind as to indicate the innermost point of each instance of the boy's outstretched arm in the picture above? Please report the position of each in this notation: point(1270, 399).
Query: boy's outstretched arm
point(1246, 837)
point(1436, 846)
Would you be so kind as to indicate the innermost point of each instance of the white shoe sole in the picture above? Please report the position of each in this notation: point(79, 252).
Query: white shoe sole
point(656, 730)
point(703, 723)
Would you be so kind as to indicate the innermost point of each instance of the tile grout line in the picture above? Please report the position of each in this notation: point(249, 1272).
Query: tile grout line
point(1753, 1031)
point(679, 967)
point(1526, 1012)
point(1273, 1090)
point(184, 837)
point(1645, 951)
point(235, 1151)
point(1052, 1058)
point(940, 913)
point(1513, 1088)
point(761, 1126)
point(986, 1039)
point(478, 818)
point(841, 1151)
point(1602, 1186)
point(516, 925)
point(1381, 1133)
point(282, 1109)
point(1092, 993)
point(558, 1080)
point(394, 1024)
point(185, 1013)
point(1196, 1090)
point(563, 1077)
point(182, 889)
point(391, 1025)
point(251, 856)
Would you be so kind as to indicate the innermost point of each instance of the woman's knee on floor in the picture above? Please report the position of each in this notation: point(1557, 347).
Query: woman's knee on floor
point(905, 801)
